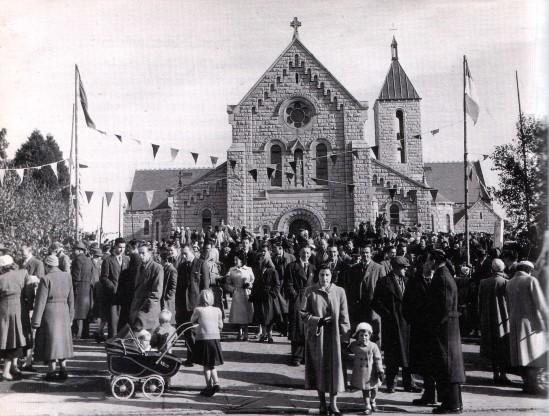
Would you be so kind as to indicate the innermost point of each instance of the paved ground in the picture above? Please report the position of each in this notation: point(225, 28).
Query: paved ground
point(255, 380)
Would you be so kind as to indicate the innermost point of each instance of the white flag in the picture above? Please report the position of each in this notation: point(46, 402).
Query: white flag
point(20, 173)
point(2, 174)
point(54, 170)
point(471, 101)
point(149, 195)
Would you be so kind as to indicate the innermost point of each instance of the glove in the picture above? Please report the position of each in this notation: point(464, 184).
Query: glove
point(324, 321)
point(246, 286)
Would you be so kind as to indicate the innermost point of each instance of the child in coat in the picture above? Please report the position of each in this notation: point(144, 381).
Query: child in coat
point(367, 366)
point(207, 349)
point(163, 332)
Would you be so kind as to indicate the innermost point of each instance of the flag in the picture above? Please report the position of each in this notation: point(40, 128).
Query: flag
point(434, 193)
point(233, 163)
point(214, 160)
point(435, 131)
point(293, 164)
point(82, 166)
point(129, 197)
point(155, 148)
point(108, 197)
point(174, 153)
point(2, 174)
point(53, 167)
point(195, 157)
point(351, 187)
point(119, 137)
point(375, 149)
point(412, 194)
point(289, 176)
point(355, 153)
point(470, 175)
point(149, 195)
point(270, 172)
point(333, 158)
point(253, 173)
point(484, 157)
point(135, 140)
point(89, 195)
point(471, 102)
point(84, 101)
point(392, 192)
point(20, 173)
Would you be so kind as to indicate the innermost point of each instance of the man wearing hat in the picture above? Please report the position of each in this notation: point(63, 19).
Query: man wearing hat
point(58, 250)
point(387, 302)
point(444, 344)
point(82, 276)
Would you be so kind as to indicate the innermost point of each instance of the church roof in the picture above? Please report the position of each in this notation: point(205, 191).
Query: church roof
point(447, 177)
point(295, 41)
point(159, 180)
point(397, 85)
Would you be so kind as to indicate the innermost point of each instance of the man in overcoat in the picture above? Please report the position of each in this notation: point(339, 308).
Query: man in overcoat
point(126, 283)
point(114, 265)
point(444, 343)
point(299, 275)
point(145, 306)
point(167, 301)
point(193, 276)
point(395, 333)
point(82, 275)
point(281, 259)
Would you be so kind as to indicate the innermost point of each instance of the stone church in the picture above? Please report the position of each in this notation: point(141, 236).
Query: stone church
point(299, 159)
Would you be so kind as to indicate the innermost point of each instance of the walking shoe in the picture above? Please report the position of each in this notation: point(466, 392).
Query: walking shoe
point(423, 402)
point(270, 340)
point(373, 405)
point(63, 375)
point(213, 390)
point(28, 369)
point(262, 338)
point(205, 391)
point(444, 411)
point(188, 363)
point(390, 389)
point(51, 376)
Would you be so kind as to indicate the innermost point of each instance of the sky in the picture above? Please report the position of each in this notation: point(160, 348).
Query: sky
point(165, 71)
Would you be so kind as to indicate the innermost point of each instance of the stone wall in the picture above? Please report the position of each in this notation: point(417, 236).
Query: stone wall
point(442, 217)
point(386, 128)
point(134, 222)
point(481, 219)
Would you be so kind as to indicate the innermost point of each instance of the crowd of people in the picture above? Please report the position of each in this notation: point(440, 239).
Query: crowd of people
point(406, 300)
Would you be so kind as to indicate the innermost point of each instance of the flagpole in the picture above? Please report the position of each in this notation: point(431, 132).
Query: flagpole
point(101, 223)
point(465, 162)
point(119, 213)
point(521, 129)
point(70, 165)
point(77, 190)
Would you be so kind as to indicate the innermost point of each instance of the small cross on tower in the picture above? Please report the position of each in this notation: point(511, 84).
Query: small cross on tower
point(295, 24)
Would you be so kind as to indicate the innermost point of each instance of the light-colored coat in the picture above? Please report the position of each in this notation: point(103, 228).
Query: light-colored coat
point(242, 311)
point(323, 364)
point(12, 284)
point(367, 365)
point(528, 321)
point(145, 306)
point(53, 315)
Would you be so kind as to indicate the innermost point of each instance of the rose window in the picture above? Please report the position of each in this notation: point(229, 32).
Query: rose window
point(298, 114)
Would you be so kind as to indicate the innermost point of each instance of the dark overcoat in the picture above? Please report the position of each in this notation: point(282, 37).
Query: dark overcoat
point(111, 273)
point(35, 267)
point(53, 315)
point(360, 287)
point(82, 284)
point(191, 279)
point(145, 306)
point(395, 332)
point(413, 310)
point(442, 322)
point(297, 281)
point(168, 289)
point(265, 296)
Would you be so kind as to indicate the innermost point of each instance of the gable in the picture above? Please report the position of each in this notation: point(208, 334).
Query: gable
point(309, 65)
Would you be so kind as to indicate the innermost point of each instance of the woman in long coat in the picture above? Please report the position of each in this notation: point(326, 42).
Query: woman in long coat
point(14, 287)
point(266, 297)
point(444, 343)
point(326, 318)
point(528, 323)
point(239, 282)
point(494, 321)
point(52, 318)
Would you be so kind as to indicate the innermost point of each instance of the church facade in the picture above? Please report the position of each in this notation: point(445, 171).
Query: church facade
point(298, 159)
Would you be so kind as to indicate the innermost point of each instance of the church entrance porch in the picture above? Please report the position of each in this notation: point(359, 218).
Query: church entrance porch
point(297, 225)
point(293, 220)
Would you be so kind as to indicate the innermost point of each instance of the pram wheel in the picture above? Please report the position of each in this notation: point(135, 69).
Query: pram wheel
point(153, 387)
point(122, 387)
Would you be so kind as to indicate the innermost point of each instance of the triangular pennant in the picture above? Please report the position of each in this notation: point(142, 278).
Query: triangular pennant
point(82, 166)
point(155, 148)
point(119, 137)
point(214, 160)
point(375, 149)
point(89, 195)
point(333, 158)
point(174, 153)
point(2, 174)
point(412, 194)
point(289, 176)
point(135, 140)
point(417, 136)
point(84, 102)
point(470, 175)
point(20, 173)
point(392, 192)
point(233, 163)
point(293, 164)
point(253, 173)
point(149, 195)
point(315, 180)
point(53, 167)
point(108, 197)
point(351, 187)
point(435, 131)
point(129, 197)
point(101, 131)
point(355, 153)
point(434, 193)
point(270, 172)
point(484, 157)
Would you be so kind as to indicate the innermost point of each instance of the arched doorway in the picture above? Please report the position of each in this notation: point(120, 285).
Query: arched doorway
point(299, 224)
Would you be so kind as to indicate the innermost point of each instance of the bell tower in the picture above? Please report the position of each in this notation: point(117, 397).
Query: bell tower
point(397, 118)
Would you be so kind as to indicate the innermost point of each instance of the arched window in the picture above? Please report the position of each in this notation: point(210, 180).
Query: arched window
point(146, 228)
point(276, 159)
point(298, 159)
point(448, 223)
point(480, 215)
point(322, 164)
point(394, 214)
point(400, 136)
point(206, 219)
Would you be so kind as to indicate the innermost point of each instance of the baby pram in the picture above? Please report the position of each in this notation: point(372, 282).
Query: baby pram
point(131, 366)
